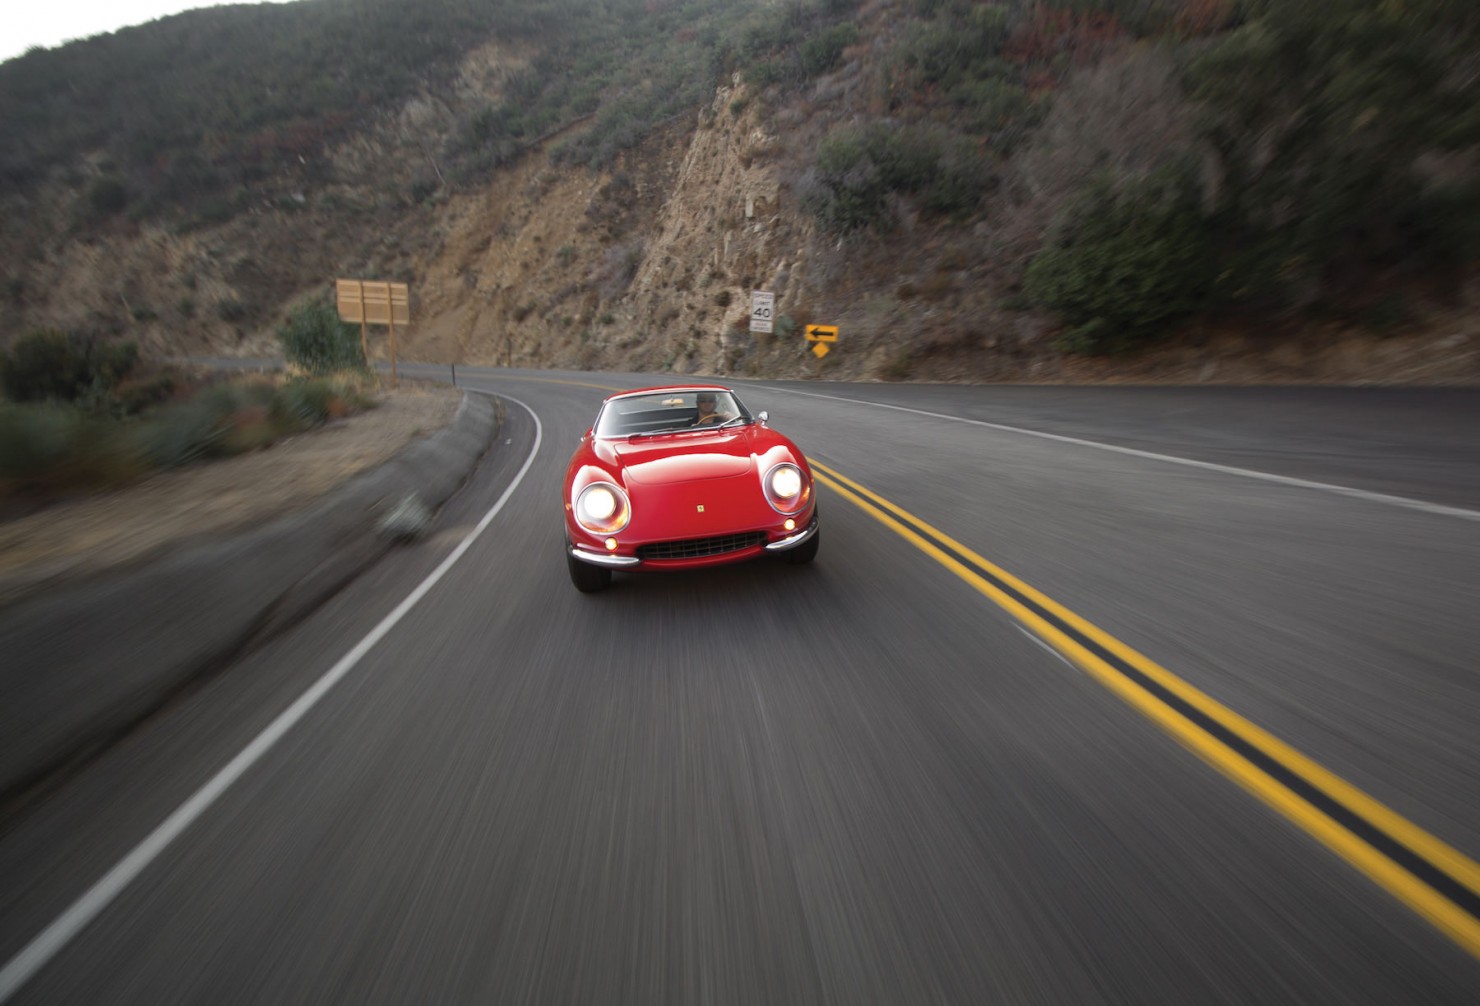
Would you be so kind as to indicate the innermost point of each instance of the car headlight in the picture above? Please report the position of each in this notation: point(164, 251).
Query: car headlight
point(787, 488)
point(602, 508)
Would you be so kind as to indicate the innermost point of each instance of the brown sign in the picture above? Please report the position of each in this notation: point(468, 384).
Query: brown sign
point(373, 302)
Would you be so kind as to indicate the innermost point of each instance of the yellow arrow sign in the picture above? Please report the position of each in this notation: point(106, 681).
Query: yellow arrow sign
point(822, 333)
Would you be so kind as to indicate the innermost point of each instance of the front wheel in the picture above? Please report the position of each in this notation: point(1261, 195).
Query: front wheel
point(806, 551)
point(587, 578)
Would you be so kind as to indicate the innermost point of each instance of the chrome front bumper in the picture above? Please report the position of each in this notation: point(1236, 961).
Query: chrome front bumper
point(793, 541)
point(604, 558)
point(626, 561)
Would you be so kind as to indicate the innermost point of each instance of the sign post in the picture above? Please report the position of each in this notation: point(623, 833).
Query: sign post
point(376, 303)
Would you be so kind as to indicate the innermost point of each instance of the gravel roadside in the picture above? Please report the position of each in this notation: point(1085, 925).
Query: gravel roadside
point(85, 537)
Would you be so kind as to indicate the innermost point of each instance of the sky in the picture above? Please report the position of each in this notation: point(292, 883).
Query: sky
point(49, 23)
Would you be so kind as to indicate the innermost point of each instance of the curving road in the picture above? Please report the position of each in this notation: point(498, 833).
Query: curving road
point(1093, 695)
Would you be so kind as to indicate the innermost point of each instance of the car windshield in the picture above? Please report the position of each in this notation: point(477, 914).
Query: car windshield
point(676, 411)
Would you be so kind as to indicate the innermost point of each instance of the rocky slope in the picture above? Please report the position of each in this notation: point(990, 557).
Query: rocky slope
point(649, 265)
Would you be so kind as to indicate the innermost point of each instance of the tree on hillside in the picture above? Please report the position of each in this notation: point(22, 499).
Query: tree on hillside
point(1321, 117)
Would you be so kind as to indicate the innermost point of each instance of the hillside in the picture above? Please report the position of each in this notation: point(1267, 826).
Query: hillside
point(1090, 190)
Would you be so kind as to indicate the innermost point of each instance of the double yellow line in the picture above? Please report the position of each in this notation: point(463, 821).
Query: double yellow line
point(1435, 880)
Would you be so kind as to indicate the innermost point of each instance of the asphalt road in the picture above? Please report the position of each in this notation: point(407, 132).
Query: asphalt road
point(860, 781)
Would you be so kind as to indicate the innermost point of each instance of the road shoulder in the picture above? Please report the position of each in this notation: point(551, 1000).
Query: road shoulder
point(103, 644)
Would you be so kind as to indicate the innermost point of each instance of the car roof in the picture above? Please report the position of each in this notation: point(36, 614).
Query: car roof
point(668, 388)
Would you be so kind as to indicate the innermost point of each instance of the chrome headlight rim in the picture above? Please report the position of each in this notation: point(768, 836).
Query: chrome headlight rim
point(616, 517)
point(798, 500)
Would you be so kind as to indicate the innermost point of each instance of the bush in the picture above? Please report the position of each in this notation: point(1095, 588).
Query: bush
point(859, 167)
point(57, 446)
point(180, 434)
point(209, 425)
point(821, 51)
point(1122, 266)
point(955, 47)
point(303, 404)
point(51, 446)
point(763, 73)
point(231, 310)
point(317, 341)
point(1320, 117)
point(107, 196)
point(34, 439)
point(57, 366)
point(137, 395)
point(996, 107)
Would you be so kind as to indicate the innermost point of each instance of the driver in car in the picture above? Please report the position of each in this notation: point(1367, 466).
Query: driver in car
point(709, 414)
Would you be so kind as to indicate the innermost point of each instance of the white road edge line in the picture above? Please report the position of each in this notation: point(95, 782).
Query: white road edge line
point(54, 937)
point(1361, 494)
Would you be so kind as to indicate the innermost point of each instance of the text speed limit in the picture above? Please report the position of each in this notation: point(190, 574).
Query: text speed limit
point(762, 310)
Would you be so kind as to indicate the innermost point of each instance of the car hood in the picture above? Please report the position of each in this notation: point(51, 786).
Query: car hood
point(684, 457)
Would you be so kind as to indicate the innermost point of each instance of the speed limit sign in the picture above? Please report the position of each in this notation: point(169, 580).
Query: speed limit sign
point(762, 310)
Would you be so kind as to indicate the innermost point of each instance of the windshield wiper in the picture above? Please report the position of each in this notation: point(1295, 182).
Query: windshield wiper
point(658, 433)
point(732, 422)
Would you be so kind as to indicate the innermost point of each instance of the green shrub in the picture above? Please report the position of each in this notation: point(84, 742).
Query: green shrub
point(107, 196)
point(222, 420)
point(1319, 116)
point(52, 445)
point(44, 365)
point(994, 106)
point(1122, 266)
point(859, 167)
point(1388, 314)
point(849, 191)
point(228, 397)
point(248, 429)
point(317, 341)
point(35, 438)
point(763, 73)
point(820, 52)
point(955, 47)
point(55, 446)
point(1445, 223)
point(135, 396)
point(301, 405)
point(354, 391)
point(180, 434)
point(51, 365)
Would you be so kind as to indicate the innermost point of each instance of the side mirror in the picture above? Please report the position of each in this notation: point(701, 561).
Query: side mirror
point(763, 415)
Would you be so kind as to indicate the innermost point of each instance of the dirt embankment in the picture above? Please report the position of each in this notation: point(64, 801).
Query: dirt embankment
point(86, 536)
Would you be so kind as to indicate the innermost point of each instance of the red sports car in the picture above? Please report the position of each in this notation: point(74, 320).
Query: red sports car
point(682, 477)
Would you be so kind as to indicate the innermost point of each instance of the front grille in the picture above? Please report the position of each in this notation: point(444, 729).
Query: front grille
point(696, 548)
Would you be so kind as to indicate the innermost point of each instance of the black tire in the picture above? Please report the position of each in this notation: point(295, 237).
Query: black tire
point(587, 578)
point(806, 551)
